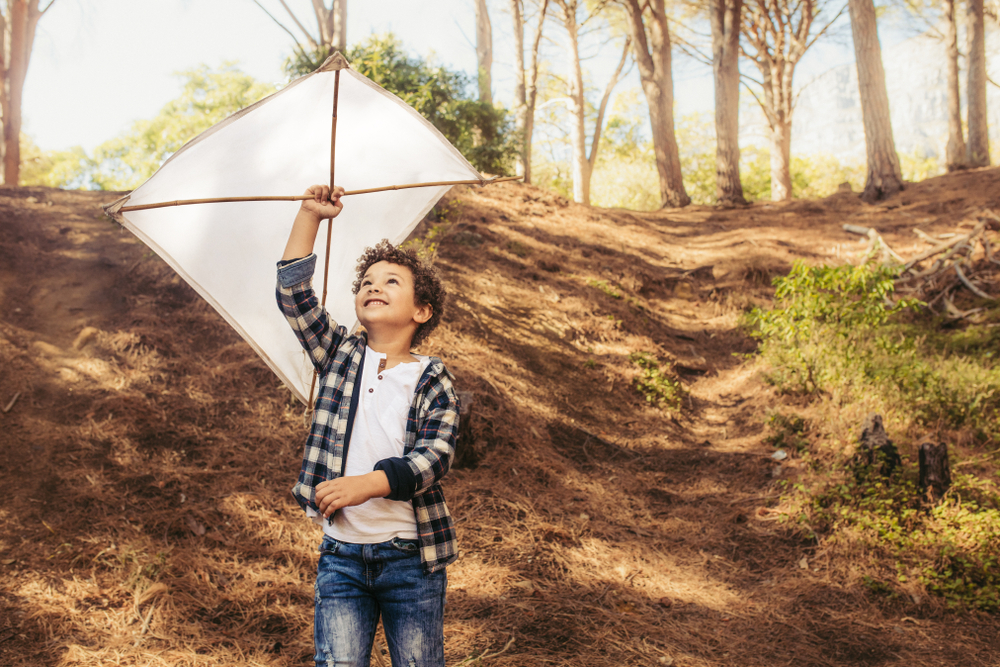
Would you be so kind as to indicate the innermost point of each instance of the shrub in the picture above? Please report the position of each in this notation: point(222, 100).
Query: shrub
point(658, 388)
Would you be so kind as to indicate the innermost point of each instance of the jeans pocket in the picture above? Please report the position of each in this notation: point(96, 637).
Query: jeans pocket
point(405, 546)
point(329, 547)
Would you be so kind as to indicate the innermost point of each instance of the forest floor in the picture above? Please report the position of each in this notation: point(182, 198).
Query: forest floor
point(147, 454)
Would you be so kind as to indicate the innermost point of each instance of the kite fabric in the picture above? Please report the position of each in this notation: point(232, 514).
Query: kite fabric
point(280, 146)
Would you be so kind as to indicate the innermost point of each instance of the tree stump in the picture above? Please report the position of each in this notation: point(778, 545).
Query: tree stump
point(935, 471)
point(465, 450)
point(876, 452)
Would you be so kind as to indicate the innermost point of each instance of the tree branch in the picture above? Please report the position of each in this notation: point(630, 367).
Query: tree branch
point(280, 25)
point(312, 42)
point(596, 141)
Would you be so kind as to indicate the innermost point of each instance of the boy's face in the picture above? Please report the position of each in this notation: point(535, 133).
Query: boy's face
point(386, 299)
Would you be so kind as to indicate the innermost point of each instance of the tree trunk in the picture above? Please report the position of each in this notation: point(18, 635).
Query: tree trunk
point(978, 149)
point(526, 84)
point(520, 91)
point(777, 35)
point(484, 52)
point(955, 151)
point(725, 20)
point(781, 160)
point(340, 25)
point(577, 107)
point(18, 29)
point(653, 57)
point(934, 469)
point(884, 176)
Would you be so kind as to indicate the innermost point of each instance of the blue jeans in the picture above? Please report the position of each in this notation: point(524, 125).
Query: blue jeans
point(355, 583)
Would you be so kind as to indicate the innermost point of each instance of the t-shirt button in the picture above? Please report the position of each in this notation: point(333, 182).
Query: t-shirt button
point(370, 390)
point(379, 377)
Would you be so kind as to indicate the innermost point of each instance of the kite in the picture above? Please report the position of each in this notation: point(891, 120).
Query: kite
point(205, 213)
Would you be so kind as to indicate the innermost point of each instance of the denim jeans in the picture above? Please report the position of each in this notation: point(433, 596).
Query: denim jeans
point(355, 583)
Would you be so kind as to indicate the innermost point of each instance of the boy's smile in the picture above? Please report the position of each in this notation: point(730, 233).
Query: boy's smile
point(386, 299)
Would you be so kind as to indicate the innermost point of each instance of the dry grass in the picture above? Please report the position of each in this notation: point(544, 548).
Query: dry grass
point(147, 520)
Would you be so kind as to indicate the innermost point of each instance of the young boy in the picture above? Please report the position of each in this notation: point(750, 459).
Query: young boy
point(382, 437)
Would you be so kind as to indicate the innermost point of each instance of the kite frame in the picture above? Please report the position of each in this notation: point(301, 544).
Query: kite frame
point(335, 63)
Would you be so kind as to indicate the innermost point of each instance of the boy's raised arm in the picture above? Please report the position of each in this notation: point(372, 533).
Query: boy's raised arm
point(323, 205)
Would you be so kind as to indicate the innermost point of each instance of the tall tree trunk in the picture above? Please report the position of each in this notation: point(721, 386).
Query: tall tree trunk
point(18, 30)
point(781, 160)
point(978, 150)
point(955, 150)
point(525, 84)
point(724, 16)
point(884, 176)
point(484, 52)
point(577, 106)
point(340, 25)
point(653, 56)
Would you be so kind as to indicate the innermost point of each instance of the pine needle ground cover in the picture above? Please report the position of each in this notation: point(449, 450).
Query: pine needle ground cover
point(146, 453)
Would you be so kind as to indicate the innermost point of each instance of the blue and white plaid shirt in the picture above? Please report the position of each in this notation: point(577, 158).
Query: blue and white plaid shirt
point(431, 424)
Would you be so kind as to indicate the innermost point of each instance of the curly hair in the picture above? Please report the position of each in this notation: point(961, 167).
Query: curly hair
point(427, 287)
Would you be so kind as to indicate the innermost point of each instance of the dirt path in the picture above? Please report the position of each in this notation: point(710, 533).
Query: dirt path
point(146, 462)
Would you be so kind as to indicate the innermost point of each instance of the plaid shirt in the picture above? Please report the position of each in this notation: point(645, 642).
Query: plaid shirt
point(431, 423)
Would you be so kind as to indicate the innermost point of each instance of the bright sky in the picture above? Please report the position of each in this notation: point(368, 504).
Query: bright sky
point(98, 66)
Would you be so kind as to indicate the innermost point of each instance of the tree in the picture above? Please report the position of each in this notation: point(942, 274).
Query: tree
point(978, 148)
point(651, 45)
point(884, 176)
point(18, 21)
point(778, 33)
point(526, 83)
point(955, 150)
point(583, 163)
point(52, 169)
point(484, 52)
point(330, 35)
point(208, 97)
point(724, 16)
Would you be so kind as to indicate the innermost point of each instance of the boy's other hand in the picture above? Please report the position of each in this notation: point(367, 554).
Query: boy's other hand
point(324, 203)
point(333, 494)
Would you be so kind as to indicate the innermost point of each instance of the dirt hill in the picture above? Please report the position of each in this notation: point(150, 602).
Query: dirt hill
point(146, 454)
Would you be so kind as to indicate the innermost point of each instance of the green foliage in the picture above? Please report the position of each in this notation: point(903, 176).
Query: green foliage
point(53, 169)
point(787, 432)
point(835, 330)
point(950, 547)
point(813, 176)
point(658, 388)
point(208, 97)
point(484, 134)
point(835, 334)
point(822, 309)
point(917, 166)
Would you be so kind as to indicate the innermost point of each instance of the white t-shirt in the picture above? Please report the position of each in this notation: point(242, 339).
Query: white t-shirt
point(378, 433)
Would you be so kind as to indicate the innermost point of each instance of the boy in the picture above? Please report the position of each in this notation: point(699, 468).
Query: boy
point(382, 437)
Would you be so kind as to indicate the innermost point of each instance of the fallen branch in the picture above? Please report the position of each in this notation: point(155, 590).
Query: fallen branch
point(944, 246)
point(10, 405)
point(972, 288)
point(876, 238)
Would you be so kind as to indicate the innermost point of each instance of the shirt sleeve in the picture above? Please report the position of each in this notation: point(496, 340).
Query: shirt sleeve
point(317, 333)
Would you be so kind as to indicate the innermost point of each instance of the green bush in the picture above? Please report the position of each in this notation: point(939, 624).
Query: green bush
point(658, 388)
point(836, 336)
point(951, 547)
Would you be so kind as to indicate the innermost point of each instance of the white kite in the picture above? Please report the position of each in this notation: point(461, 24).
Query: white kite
point(227, 250)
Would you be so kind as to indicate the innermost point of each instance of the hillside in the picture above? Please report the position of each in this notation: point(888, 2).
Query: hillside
point(147, 456)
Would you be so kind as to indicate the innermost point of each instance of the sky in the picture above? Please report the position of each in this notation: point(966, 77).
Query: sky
point(97, 67)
